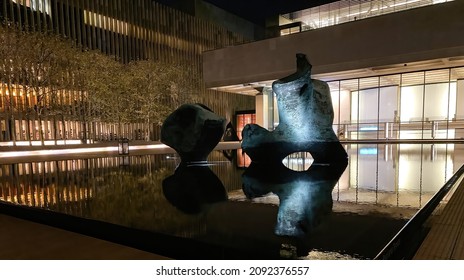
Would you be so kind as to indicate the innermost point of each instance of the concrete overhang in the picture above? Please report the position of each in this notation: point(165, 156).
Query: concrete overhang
point(417, 39)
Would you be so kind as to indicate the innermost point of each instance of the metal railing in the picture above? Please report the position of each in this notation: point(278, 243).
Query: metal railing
point(389, 130)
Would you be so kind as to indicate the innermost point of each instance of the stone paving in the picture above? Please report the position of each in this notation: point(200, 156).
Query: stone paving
point(26, 240)
point(445, 241)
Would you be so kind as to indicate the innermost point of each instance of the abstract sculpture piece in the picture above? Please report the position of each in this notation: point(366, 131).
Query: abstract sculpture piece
point(193, 130)
point(305, 121)
point(305, 196)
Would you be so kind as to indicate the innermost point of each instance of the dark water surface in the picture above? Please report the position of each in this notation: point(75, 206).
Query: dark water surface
point(254, 212)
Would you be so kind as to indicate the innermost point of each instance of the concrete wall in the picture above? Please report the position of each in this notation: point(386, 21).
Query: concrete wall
point(209, 12)
point(413, 35)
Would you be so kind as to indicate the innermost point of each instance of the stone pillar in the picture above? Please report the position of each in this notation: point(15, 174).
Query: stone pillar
point(459, 116)
point(264, 109)
point(261, 112)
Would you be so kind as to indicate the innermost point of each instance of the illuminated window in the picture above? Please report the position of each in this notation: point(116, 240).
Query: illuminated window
point(243, 118)
point(42, 6)
point(351, 10)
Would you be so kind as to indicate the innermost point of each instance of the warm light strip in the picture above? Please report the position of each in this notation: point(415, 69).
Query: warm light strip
point(57, 152)
point(125, 28)
point(404, 3)
point(39, 143)
point(220, 146)
point(79, 150)
point(152, 146)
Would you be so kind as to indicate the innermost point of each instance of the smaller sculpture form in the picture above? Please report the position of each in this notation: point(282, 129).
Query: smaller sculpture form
point(193, 130)
point(305, 121)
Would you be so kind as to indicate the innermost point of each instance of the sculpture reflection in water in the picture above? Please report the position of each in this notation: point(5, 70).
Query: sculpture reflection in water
point(192, 188)
point(193, 131)
point(305, 196)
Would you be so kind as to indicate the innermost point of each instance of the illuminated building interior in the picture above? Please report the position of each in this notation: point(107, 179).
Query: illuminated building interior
point(345, 11)
point(388, 116)
point(413, 105)
point(415, 99)
point(151, 31)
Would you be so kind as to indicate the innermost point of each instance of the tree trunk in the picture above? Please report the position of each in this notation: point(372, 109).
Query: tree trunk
point(55, 136)
point(41, 132)
point(12, 129)
point(28, 129)
point(84, 131)
point(147, 135)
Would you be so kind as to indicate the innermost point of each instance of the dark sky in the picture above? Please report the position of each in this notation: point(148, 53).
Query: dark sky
point(257, 10)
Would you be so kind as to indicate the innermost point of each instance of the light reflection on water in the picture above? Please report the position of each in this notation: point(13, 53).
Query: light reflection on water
point(131, 193)
point(405, 175)
point(323, 255)
point(400, 175)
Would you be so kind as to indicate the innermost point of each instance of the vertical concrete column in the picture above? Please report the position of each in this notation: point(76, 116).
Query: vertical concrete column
point(459, 133)
point(458, 155)
point(264, 108)
point(271, 108)
point(460, 99)
point(261, 119)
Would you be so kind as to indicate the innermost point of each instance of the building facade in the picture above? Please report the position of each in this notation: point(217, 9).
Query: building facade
point(397, 85)
point(125, 30)
point(396, 75)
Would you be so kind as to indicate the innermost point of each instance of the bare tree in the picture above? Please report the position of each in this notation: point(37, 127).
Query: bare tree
point(157, 88)
point(39, 65)
point(12, 75)
point(86, 84)
point(47, 71)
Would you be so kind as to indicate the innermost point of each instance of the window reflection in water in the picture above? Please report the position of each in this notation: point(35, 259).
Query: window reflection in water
point(405, 175)
point(387, 174)
point(107, 189)
point(398, 176)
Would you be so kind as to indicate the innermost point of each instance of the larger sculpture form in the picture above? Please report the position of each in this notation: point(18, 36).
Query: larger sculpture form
point(305, 121)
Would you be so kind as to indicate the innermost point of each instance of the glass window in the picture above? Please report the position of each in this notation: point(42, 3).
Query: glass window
point(437, 102)
point(243, 119)
point(411, 103)
point(351, 10)
point(368, 105)
point(388, 111)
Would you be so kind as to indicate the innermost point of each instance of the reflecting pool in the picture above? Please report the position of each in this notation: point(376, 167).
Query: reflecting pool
point(303, 211)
